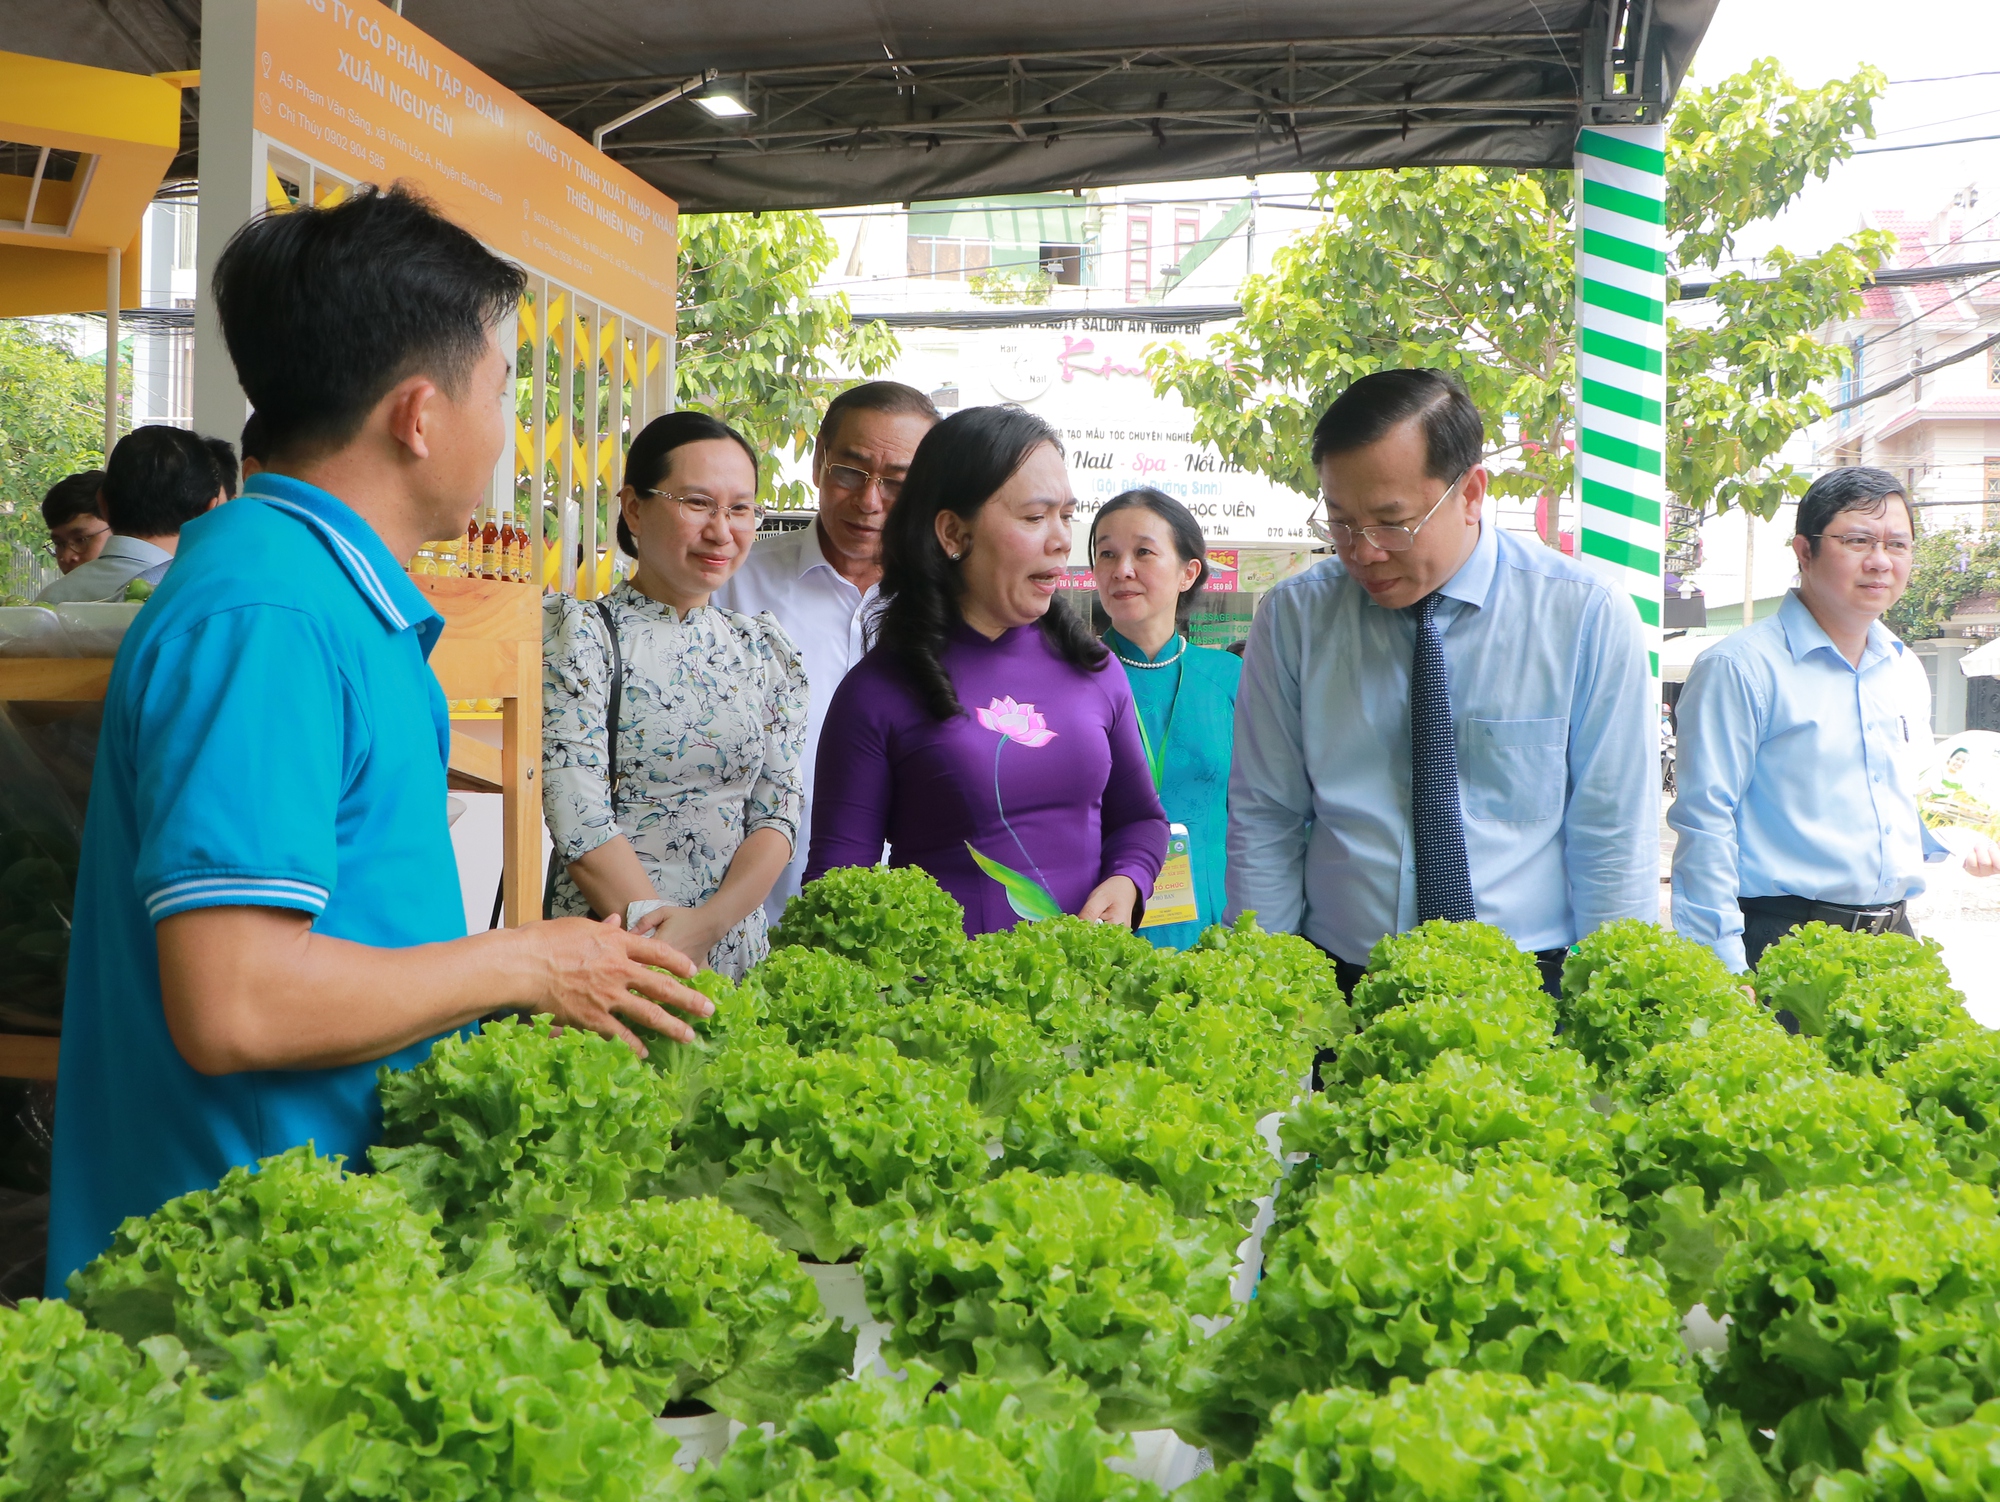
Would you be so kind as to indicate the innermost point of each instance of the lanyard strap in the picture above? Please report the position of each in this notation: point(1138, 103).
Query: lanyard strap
point(1156, 760)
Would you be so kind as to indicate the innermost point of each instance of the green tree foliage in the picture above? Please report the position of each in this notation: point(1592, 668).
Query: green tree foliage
point(1472, 271)
point(51, 425)
point(1741, 379)
point(1947, 568)
point(753, 345)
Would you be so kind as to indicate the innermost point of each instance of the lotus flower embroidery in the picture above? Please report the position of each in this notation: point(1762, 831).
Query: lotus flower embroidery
point(1018, 722)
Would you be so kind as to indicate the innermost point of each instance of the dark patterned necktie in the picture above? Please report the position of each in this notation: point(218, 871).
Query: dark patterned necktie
point(1444, 879)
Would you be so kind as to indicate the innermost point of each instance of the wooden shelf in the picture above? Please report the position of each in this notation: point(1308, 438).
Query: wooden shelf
point(28, 1056)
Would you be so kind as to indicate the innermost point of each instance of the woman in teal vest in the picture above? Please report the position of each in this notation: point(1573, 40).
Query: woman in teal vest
point(1150, 561)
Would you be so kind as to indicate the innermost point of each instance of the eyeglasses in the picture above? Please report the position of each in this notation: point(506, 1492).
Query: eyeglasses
point(56, 547)
point(848, 480)
point(1383, 539)
point(1864, 543)
point(703, 509)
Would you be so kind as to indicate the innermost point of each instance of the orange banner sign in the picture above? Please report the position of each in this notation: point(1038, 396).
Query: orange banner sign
point(359, 89)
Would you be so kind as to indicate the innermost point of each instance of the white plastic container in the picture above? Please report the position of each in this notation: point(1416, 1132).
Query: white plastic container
point(1163, 1458)
point(841, 1293)
point(703, 1436)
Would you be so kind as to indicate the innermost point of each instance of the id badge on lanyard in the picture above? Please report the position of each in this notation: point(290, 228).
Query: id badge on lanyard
point(1173, 898)
point(1173, 891)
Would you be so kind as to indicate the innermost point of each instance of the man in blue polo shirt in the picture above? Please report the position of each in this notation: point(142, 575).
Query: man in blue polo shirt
point(268, 907)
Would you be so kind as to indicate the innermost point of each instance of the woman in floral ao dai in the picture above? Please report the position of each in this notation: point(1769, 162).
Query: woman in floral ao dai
point(711, 718)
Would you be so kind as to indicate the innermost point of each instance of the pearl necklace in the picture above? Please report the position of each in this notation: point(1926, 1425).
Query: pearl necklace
point(1165, 662)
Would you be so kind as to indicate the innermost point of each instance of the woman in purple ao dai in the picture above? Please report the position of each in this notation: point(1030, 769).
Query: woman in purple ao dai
point(988, 737)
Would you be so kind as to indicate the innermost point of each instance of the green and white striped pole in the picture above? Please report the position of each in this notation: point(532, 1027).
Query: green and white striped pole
point(1621, 281)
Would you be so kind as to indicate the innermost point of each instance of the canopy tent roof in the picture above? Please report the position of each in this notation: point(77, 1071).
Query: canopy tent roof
point(868, 101)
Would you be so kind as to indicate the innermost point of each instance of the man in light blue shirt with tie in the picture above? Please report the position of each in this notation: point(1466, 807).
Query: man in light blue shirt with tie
point(1442, 721)
point(1798, 743)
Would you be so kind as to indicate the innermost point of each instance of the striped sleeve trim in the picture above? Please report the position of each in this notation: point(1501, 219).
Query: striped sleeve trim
point(235, 891)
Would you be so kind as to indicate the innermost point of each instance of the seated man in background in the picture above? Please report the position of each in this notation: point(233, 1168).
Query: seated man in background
point(226, 469)
point(158, 479)
point(77, 533)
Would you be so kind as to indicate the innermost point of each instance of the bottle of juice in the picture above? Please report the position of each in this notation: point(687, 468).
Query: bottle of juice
point(492, 563)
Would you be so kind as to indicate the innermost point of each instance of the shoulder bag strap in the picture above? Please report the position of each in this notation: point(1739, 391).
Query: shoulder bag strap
point(612, 697)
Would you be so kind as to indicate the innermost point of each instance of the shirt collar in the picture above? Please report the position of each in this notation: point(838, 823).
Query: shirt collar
point(1474, 578)
point(133, 550)
point(358, 549)
point(1804, 635)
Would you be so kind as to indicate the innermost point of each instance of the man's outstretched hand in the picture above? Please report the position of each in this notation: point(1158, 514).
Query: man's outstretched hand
point(597, 976)
point(247, 988)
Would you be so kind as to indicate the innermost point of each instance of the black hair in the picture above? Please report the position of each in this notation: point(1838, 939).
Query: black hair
point(1454, 436)
point(251, 445)
point(957, 468)
point(1857, 487)
point(325, 309)
point(650, 456)
point(72, 496)
point(223, 457)
point(1188, 541)
point(157, 480)
point(872, 396)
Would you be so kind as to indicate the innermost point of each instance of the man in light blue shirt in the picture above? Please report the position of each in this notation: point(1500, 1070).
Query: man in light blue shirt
point(1532, 803)
point(1798, 741)
point(158, 479)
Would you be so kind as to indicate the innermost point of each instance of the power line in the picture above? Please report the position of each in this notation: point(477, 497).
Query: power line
point(1925, 145)
point(1922, 370)
point(1946, 78)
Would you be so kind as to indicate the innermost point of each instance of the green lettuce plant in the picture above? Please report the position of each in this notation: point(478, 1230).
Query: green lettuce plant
point(1913, 1462)
point(1003, 1054)
point(820, 1149)
point(463, 1391)
point(1733, 1056)
point(816, 998)
point(1851, 1305)
point(1028, 1276)
point(1749, 1110)
point(1054, 973)
point(1466, 1435)
point(1631, 985)
point(1281, 973)
point(901, 1438)
point(1953, 1087)
point(214, 1267)
point(1733, 1125)
point(1230, 1050)
point(1461, 1111)
point(1508, 1268)
point(895, 922)
point(1442, 961)
point(522, 1126)
point(1507, 1027)
point(1869, 998)
point(696, 1304)
point(1140, 1125)
point(81, 1412)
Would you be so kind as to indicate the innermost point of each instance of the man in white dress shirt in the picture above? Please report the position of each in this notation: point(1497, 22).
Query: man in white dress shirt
point(820, 581)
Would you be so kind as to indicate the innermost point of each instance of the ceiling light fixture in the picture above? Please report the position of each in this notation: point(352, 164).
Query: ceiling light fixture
point(724, 106)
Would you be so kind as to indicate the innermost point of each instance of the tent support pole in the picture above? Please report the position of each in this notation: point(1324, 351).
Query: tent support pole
point(112, 277)
point(1621, 266)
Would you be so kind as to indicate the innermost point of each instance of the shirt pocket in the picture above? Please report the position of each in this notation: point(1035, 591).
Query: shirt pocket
point(1513, 771)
